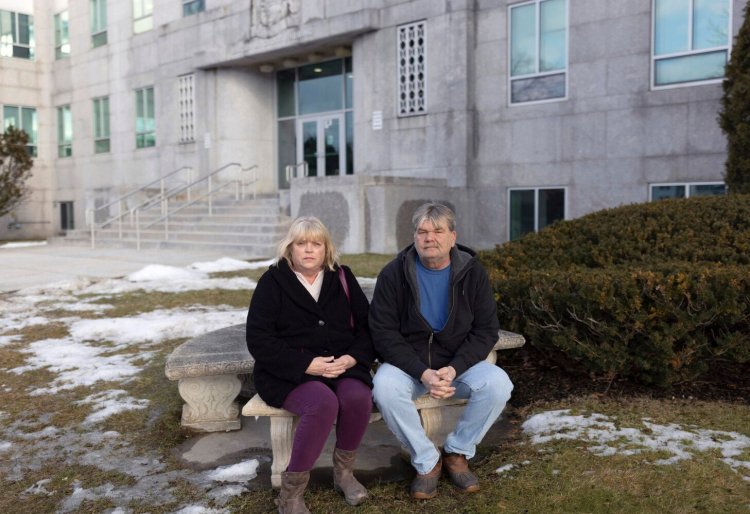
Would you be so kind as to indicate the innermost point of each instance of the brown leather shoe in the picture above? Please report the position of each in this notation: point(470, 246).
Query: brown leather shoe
point(457, 469)
point(424, 486)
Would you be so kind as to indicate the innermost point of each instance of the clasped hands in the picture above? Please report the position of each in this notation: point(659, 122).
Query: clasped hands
point(438, 382)
point(330, 367)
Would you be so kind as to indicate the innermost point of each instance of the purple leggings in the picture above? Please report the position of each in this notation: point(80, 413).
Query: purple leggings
point(318, 406)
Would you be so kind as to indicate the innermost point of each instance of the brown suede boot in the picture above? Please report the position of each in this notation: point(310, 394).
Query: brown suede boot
point(291, 497)
point(424, 486)
point(457, 469)
point(343, 477)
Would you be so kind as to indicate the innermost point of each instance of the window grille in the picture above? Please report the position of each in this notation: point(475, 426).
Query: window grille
point(411, 69)
point(187, 108)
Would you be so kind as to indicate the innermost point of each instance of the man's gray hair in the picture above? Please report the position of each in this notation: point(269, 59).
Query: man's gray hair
point(435, 213)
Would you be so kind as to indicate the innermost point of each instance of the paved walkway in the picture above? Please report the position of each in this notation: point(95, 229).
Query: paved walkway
point(30, 266)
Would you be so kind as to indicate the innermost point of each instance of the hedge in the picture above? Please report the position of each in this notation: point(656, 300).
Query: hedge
point(653, 292)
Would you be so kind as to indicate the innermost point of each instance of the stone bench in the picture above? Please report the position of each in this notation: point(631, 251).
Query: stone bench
point(213, 369)
point(284, 422)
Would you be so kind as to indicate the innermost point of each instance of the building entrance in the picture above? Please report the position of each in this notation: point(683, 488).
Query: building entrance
point(315, 119)
point(319, 144)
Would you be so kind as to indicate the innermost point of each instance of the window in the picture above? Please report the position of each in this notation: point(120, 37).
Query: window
point(690, 41)
point(98, 22)
point(192, 7)
point(534, 209)
point(66, 216)
point(686, 190)
point(22, 118)
point(411, 45)
point(143, 15)
point(101, 125)
point(64, 131)
point(16, 35)
point(538, 51)
point(62, 37)
point(187, 106)
point(145, 121)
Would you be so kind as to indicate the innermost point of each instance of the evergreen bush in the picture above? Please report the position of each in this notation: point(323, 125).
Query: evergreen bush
point(734, 117)
point(652, 292)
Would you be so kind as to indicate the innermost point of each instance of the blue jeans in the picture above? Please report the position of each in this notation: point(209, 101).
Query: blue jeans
point(486, 386)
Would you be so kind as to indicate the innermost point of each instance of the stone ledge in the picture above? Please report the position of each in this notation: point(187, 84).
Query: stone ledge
point(221, 352)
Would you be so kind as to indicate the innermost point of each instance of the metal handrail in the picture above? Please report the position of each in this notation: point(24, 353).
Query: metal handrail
point(291, 170)
point(91, 213)
point(240, 184)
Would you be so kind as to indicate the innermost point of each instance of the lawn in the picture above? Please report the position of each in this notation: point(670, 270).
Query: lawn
point(88, 421)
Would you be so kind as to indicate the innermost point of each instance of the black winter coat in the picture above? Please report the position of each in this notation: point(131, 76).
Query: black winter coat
point(406, 340)
point(287, 329)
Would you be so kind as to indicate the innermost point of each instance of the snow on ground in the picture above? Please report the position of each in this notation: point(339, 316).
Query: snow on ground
point(23, 244)
point(228, 264)
point(114, 350)
point(607, 439)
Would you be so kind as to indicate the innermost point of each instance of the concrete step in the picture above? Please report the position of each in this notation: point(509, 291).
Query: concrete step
point(252, 227)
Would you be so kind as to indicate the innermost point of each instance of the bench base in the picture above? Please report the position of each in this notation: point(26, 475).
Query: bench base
point(209, 403)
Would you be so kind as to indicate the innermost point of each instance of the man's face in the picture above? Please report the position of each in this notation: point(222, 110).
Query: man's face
point(434, 243)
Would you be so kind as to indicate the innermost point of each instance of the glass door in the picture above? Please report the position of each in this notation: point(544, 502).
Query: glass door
point(319, 144)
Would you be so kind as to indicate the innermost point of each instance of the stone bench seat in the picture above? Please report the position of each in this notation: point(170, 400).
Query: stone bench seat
point(284, 422)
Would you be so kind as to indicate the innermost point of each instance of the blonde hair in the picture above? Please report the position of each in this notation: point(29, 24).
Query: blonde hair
point(308, 228)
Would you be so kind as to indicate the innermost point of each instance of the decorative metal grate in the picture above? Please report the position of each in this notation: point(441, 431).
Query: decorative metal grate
point(411, 69)
point(187, 108)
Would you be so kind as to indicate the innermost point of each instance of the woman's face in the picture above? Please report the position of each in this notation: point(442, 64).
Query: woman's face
point(308, 256)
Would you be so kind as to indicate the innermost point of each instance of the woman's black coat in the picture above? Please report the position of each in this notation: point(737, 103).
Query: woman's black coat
point(287, 328)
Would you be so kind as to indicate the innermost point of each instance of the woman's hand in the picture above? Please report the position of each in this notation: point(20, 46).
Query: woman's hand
point(329, 367)
point(318, 366)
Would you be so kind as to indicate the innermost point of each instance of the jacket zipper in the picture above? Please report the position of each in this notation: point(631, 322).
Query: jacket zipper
point(429, 351)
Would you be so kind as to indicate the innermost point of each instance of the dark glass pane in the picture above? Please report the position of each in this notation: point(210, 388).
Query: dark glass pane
point(22, 52)
point(708, 190)
point(285, 81)
point(24, 23)
point(101, 146)
point(537, 88)
point(332, 146)
point(664, 192)
point(551, 206)
point(287, 150)
point(349, 76)
point(349, 143)
point(521, 213)
point(310, 147)
point(320, 87)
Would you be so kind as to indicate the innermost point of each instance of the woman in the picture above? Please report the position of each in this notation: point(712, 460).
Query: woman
point(307, 330)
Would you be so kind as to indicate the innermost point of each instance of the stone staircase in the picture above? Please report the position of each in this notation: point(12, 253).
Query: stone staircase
point(244, 228)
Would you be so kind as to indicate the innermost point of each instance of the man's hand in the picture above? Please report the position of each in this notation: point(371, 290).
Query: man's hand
point(439, 382)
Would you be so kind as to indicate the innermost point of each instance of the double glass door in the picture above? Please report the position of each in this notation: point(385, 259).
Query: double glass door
point(319, 144)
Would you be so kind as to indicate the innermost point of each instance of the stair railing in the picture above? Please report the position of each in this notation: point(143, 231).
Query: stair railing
point(244, 177)
point(292, 170)
point(121, 213)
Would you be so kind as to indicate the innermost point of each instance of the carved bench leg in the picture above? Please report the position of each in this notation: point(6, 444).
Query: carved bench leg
point(209, 403)
point(282, 434)
point(431, 421)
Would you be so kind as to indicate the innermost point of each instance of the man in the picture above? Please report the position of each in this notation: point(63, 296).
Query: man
point(433, 321)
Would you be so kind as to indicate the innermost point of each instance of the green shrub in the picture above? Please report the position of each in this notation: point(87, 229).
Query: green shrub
point(652, 292)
